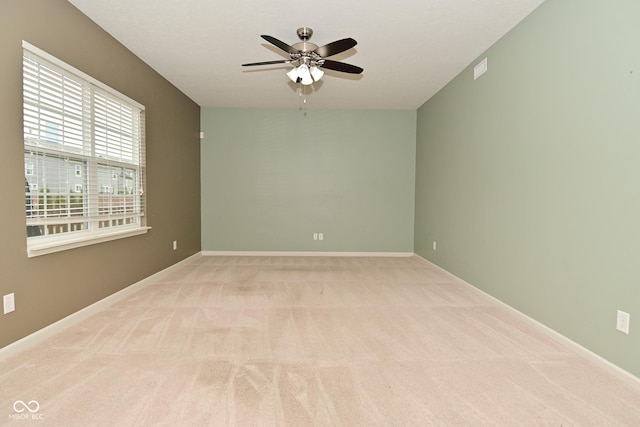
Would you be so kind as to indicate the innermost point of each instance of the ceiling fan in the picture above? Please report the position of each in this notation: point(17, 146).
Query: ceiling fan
point(308, 58)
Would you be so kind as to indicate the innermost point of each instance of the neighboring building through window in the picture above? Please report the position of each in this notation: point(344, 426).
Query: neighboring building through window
point(84, 154)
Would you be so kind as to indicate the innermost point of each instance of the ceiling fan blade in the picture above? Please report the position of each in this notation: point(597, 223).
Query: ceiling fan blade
point(336, 47)
point(280, 44)
point(341, 66)
point(282, 61)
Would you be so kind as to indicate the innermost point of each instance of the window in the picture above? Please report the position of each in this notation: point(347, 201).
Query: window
point(84, 157)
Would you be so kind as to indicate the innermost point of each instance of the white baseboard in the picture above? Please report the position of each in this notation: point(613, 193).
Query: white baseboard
point(303, 253)
point(84, 313)
point(608, 366)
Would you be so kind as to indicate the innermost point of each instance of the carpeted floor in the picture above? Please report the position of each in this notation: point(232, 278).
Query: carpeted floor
point(309, 341)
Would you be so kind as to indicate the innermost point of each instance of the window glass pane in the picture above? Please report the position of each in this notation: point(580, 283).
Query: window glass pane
point(54, 190)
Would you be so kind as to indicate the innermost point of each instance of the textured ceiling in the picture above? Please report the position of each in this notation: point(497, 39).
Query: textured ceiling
point(409, 49)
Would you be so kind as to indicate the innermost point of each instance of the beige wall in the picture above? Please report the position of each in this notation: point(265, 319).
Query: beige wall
point(50, 287)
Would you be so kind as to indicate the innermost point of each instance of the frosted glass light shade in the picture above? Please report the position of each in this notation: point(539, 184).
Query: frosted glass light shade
point(304, 75)
point(316, 73)
point(293, 75)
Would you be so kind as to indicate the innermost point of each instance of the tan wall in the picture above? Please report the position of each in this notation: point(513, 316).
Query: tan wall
point(50, 287)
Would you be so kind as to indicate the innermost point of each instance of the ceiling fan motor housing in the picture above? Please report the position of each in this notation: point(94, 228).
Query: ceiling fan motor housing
point(305, 49)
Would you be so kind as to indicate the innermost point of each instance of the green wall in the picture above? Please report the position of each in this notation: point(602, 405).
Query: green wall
point(529, 177)
point(272, 177)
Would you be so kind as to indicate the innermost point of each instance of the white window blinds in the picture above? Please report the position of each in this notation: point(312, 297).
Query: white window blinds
point(84, 157)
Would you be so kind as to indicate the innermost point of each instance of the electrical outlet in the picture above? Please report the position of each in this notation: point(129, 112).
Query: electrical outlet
point(622, 322)
point(175, 245)
point(435, 246)
point(9, 303)
point(315, 236)
point(320, 236)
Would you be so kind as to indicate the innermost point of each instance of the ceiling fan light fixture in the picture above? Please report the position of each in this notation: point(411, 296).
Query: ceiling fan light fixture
point(305, 74)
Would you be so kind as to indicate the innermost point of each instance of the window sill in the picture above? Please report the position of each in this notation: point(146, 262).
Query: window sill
point(35, 249)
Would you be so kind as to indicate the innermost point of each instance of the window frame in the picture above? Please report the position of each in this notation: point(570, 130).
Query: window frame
point(97, 230)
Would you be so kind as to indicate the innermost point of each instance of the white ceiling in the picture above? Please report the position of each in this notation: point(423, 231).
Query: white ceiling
point(409, 49)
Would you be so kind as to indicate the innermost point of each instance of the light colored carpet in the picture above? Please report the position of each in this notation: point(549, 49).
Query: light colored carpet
point(297, 341)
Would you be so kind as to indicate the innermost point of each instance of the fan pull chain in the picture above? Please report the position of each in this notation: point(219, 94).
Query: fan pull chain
point(303, 96)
